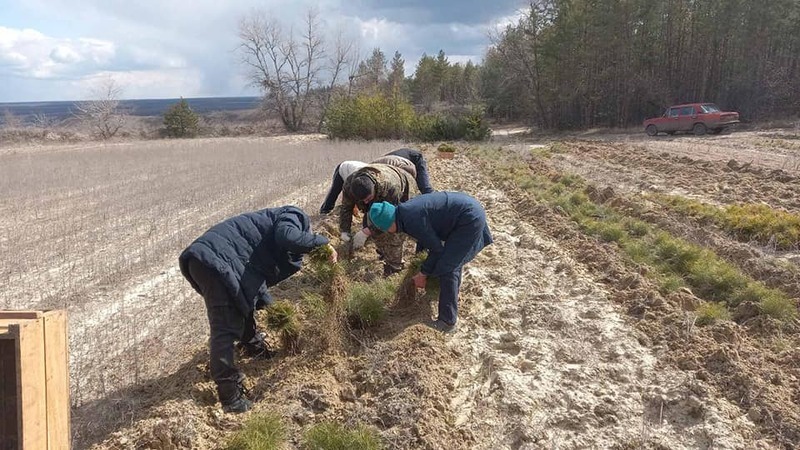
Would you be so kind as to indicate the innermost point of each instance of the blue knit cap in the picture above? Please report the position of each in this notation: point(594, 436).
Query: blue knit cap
point(382, 215)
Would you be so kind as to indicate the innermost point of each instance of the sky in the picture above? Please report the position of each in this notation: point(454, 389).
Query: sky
point(54, 50)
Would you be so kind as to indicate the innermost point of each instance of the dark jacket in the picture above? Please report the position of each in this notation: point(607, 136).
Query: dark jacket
point(252, 251)
point(392, 185)
point(450, 225)
point(422, 177)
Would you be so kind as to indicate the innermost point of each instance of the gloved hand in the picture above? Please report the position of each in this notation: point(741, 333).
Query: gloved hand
point(360, 238)
point(345, 237)
point(334, 256)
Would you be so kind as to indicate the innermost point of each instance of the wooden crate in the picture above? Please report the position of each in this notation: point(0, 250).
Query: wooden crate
point(34, 380)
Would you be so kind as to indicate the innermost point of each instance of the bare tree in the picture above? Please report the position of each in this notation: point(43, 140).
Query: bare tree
point(10, 120)
point(343, 56)
point(103, 114)
point(43, 122)
point(291, 69)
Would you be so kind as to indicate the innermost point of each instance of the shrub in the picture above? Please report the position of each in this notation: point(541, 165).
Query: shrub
point(180, 121)
point(368, 117)
point(446, 148)
point(262, 432)
point(366, 302)
point(711, 312)
point(332, 436)
point(379, 116)
point(477, 129)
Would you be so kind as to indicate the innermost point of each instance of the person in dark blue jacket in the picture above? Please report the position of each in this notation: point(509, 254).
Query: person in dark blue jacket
point(452, 227)
point(231, 265)
point(423, 181)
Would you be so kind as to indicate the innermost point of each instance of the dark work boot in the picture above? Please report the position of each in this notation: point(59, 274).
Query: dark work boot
point(441, 325)
point(256, 347)
point(232, 396)
point(389, 270)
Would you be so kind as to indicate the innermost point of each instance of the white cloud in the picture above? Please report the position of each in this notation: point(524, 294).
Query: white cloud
point(65, 55)
point(30, 53)
point(189, 45)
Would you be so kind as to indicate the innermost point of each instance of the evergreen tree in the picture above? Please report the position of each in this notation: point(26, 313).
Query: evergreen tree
point(180, 121)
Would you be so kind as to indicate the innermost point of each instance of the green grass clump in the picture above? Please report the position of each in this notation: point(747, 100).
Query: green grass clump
point(262, 432)
point(778, 307)
point(606, 231)
point(282, 317)
point(367, 302)
point(763, 224)
point(321, 254)
point(446, 148)
point(711, 312)
point(714, 279)
point(333, 436)
point(314, 305)
point(747, 222)
point(699, 211)
point(677, 262)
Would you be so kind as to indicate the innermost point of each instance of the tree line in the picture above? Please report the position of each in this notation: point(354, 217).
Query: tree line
point(583, 63)
point(568, 63)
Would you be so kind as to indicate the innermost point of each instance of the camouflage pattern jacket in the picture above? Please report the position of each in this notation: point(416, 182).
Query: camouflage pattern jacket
point(399, 162)
point(392, 184)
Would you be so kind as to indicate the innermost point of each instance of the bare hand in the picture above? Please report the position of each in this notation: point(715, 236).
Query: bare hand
point(420, 280)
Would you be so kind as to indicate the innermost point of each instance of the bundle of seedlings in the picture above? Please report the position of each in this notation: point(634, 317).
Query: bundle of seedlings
point(367, 302)
point(333, 280)
point(407, 292)
point(282, 317)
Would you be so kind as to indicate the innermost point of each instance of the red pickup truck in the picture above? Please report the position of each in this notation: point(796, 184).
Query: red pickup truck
point(696, 117)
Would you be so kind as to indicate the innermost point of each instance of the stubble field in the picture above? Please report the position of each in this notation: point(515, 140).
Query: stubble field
point(586, 324)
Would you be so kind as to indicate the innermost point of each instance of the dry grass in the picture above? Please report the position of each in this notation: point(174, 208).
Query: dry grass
point(97, 229)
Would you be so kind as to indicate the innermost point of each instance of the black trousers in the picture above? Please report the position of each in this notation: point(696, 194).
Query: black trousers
point(227, 323)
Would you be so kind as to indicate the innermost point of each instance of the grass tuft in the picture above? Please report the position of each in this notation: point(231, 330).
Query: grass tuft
point(282, 317)
point(746, 222)
point(262, 432)
point(367, 302)
point(778, 307)
point(333, 436)
point(711, 312)
point(314, 305)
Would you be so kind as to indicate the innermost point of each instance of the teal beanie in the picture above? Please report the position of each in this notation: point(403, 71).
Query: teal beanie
point(382, 215)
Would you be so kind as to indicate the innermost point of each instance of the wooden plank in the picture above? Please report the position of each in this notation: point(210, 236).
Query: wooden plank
point(20, 314)
point(57, 380)
point(31, 383)
point(9, 418)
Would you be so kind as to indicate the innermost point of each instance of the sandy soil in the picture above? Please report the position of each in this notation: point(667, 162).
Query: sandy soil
point(560, 345)
point(561, 342)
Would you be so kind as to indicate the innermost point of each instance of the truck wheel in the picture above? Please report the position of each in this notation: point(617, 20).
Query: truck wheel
point(699, 129)
point(651, 130)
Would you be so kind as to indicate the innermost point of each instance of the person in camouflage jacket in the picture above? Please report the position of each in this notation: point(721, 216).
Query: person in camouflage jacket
point(376, 183)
